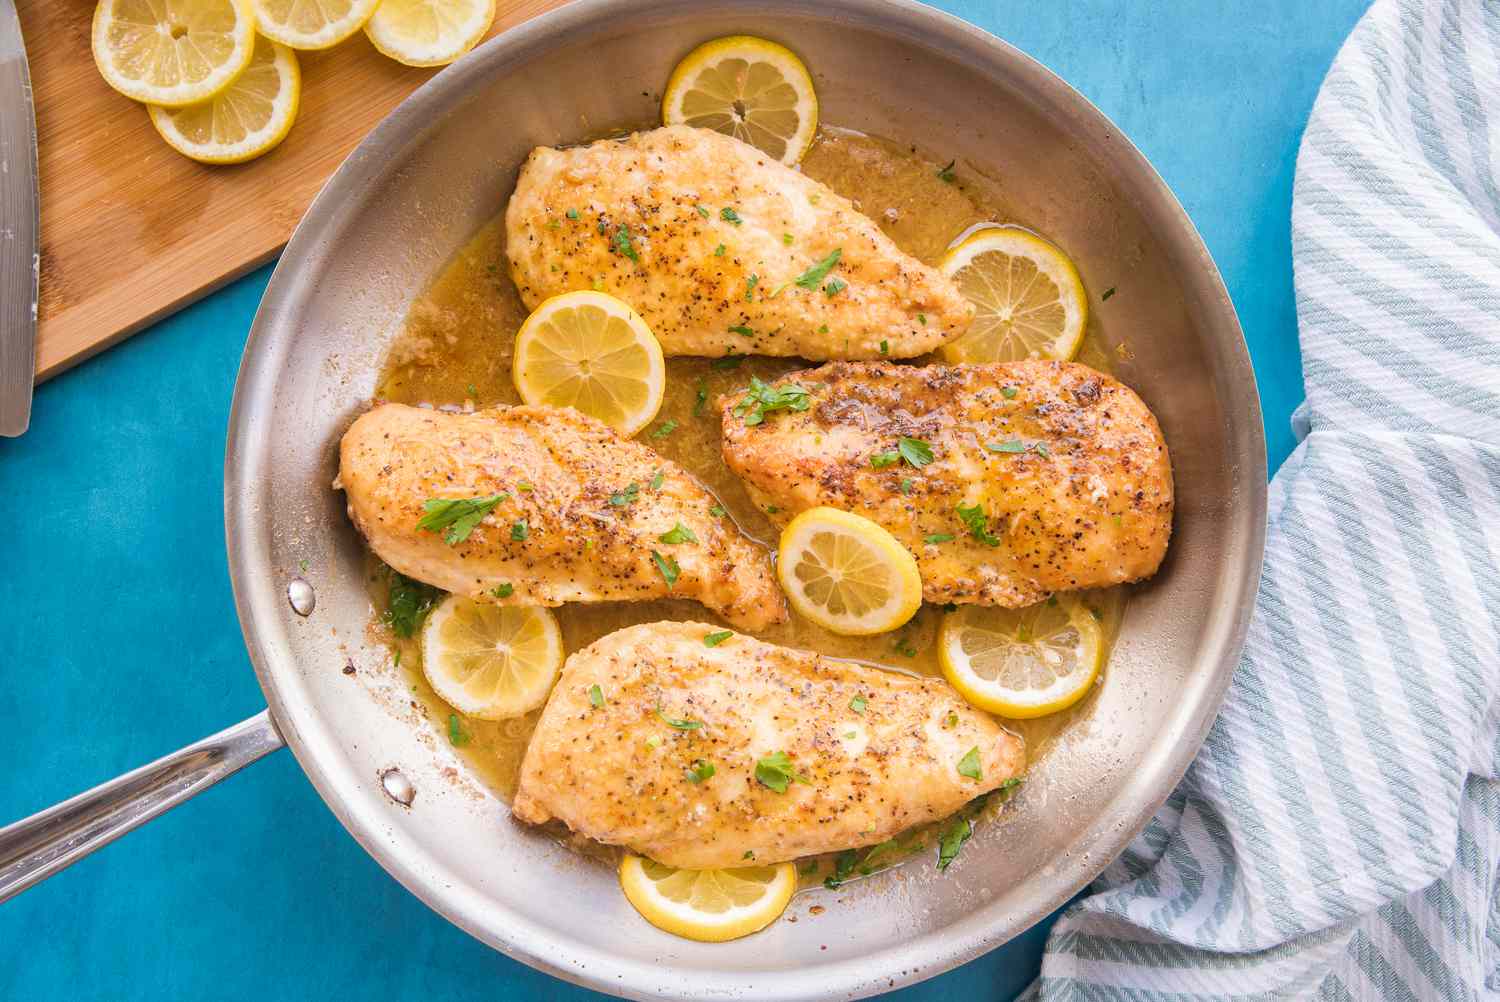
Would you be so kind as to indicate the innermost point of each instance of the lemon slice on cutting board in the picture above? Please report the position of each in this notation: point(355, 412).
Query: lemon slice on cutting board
point(1028, 299)
point(847, 574)
point(749, 88)
point(311, 24)
point(592, 352)
point(429, 32)
point(1023, 663)
point(249, 117)
point(490, 661)
point(172, 52)
point(710, 906)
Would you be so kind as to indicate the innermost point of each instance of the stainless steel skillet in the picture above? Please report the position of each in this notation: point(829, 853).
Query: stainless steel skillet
point(423, 181)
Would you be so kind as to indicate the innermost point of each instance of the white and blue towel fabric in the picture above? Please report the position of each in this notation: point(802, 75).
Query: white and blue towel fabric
point(1339, 835)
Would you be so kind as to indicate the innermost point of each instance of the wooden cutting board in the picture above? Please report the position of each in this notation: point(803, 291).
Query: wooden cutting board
point(132, 230)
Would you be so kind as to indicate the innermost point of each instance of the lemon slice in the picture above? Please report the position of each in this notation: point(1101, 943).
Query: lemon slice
point(247, 118)
point(429, 32)
point(590, 351)
point(311, 24)
point(1028, 299)
point(847, 574)
point(748, 88)
point(710, 906)
point(172, 52)
point(491, 661)
point(1023, 662)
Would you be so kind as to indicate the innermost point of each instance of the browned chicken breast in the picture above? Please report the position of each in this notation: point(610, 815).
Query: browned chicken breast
point(580, 514)
point(1042, 476)
point(698, 755)
point(722, 250)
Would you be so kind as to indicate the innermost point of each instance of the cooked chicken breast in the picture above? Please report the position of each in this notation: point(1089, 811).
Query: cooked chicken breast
point(580, 518)
point(667, 763)
point(707, 238)
point(1044, 476)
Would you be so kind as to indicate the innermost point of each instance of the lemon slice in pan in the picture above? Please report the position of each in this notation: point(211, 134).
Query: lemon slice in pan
point(1028, 299)
point(847, 574)
point(710, 906)
point(491, 661)
point(749, 88)
point(1023, 662)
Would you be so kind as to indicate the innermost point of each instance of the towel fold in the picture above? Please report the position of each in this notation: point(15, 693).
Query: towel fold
point(1338, 837)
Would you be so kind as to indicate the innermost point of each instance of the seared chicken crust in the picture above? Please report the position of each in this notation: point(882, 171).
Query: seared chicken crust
point(706, 237)
point(557, 536)
point(1067, 464)
point(619, 771)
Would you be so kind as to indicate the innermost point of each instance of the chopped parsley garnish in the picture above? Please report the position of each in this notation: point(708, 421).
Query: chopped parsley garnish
point(524, 487)
point(657, 479)
point(939, 537)
point(786, 238)
point(906, 485)
point(881, 460)
point(810, 278)
point(1008, 392)
point(717, 511)
point(749, 854)
point(654, 741)
point(572, 213)
point(969, 764)
point(843, 868)
point(719, 251)
point(456, 735)
point(835, 286)
point(624, 245)
point(771, 509)
point(603, 225)
point(458, 515)
point(885, 347)
point(1009, 785)
point(679, 533)
point(730, 216)
point(519, 530)
point(822, 328)
point(716, 638)
point(762, 399)
point(729, 362)
point(946, 173)
point(978, 523)
point(750, 283)
point(598, 285)
point(667, 427)
point(407, 603)
point(1107, 293)
point(915, 451)
point(950, 721)
point(1011, 446)
point(505, 590)
point(676, 724)
point(904, 648)
point(667, 567)
point(701, 400)
point(702, 211)
point(922, 319)
point(700, 770)
point(777, 772)
point(952, 840)
point(742, 330)
point(627, 496)
point(858, 704)
point(596, 696)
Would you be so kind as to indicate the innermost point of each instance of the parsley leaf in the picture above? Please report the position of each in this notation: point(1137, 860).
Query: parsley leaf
point(729, 362)
point(700, 771)
point(915, 451)
point(843, 868)
point(969, 764)
point(730, 216)
point(946, 173)
point(881, 460)
point(718, 511)
point(504, 590)
point(519, 530)
point(657, 479)
point(742, 330)
point(1011, 446)
point(762, 399)
point(456, 735)
point(596, 696)
point(719, 251)
point(885, 347)
point(1107, 293)
point(906, 485)
point(572, 213)
point(810, 278)
point(939, 537)
point(679, 533)
point(777, 772)
point(835, 286)
point(407, 603)
point(1008, 392)
point(952, 840)
point(676, 724)
point(701, 211)
point(702, 399)
point(624, 245)
point(668, 568)
point(627, 496)
point(974, 517)
point(667, 427)
point(458, 515)
point(716, 638)
point(858, 704)
point(750, 283)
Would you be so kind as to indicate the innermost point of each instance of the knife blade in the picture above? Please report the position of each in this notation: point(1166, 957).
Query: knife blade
point(20, 228)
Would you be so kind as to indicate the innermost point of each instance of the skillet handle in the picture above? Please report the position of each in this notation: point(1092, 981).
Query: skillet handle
point(33, 849)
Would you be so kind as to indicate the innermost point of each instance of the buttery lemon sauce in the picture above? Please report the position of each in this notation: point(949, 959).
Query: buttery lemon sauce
point(455, 351)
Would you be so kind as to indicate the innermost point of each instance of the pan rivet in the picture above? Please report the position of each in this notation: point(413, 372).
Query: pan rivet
point(398, 787)
point(300, 595)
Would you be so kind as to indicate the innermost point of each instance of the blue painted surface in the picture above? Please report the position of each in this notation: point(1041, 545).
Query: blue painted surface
point(121, 636)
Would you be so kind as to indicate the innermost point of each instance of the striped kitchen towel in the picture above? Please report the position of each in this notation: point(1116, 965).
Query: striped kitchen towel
point(1339, 835)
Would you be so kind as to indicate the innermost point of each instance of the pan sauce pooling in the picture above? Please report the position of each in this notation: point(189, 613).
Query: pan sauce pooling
point(456, 351)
